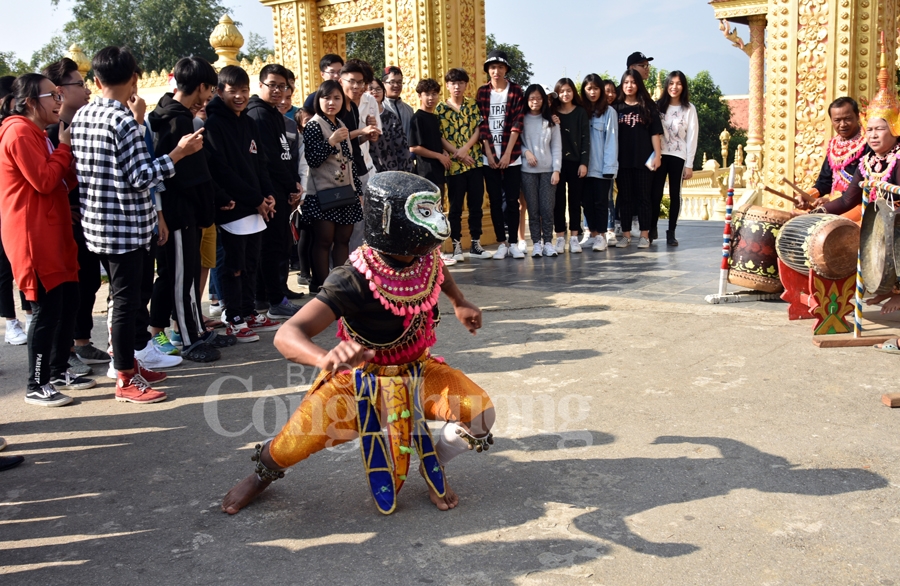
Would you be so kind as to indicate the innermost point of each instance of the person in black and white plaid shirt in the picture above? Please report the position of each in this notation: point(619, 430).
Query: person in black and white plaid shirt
point(116, 173)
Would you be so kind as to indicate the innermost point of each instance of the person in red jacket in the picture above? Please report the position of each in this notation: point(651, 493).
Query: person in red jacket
point(35, 181)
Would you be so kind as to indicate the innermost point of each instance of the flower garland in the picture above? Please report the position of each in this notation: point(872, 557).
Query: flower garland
point(876, 168)
point(841, 153)
point(411, 292)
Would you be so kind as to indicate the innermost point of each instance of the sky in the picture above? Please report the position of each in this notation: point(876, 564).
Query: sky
point(583, 36)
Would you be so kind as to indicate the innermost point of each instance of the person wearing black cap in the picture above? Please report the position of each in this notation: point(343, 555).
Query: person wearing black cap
point(502, 107)
point(640, 63)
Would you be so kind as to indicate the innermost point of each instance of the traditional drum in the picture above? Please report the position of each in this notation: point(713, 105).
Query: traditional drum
point(754, 262)
point(826, 243)
point(879, 235)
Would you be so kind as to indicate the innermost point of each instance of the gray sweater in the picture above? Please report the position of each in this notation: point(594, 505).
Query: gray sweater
point(542, 141)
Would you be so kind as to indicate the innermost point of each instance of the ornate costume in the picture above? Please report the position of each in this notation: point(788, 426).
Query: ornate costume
point(841, 160)
point(390, 307)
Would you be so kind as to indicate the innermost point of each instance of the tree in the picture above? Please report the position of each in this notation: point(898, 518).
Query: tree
point(714, 115)
point(158, 32)
point(367, 45)
point(52, 51)
point(12, 65)
point(521, 69)
point(256, 46)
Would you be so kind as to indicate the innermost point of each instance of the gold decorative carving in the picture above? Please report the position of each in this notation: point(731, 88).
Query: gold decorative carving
point(812, 126)
point(347, 15)
point(737, 10)
point(731, 35)
point(226, 40)
point(286, 42)
point(76, 54)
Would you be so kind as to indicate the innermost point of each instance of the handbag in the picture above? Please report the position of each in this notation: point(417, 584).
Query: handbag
point(336, 197)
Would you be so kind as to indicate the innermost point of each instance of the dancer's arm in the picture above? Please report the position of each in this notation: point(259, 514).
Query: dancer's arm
point(467, 313)
point(294, 340)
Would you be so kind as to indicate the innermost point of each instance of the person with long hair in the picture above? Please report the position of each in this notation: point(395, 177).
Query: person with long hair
point(639, 153)
point(604, 161)
point(542, 147)
point(331, 164)
point(613, 227)
point(35, 180)
point(391, 151)
point(679, 145)
point(576, 152)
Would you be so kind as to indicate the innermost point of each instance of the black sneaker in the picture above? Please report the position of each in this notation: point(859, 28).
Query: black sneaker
point(201, 352)
point(91, 355)
point(7, 462)
point(47, 396)
point(72, 382)
point(217, 340)
point(262, 306)
point(77, 366)
point(294, 294)
point(478, 252)
point(283, 311)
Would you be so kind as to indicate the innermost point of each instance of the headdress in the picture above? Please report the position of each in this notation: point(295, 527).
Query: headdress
point(885, 104)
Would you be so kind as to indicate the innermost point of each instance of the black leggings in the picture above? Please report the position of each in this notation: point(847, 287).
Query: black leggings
point(634, 186)
point(568, 176)
point(671, 168)
point(596, 202)
point(50, 334)
point(332, 243)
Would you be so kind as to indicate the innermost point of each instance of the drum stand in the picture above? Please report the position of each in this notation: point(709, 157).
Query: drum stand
point(739, 296)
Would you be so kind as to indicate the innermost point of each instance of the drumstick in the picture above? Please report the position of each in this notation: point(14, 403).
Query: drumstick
point(806, 197)
point(779, 194)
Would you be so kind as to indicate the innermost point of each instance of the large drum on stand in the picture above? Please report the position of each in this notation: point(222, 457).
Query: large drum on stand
point(754, 260)
point(826, 243)
point(879, 237)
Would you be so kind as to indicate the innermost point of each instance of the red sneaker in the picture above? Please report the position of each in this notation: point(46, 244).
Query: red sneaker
point(151, 376)
point(242, 333)
point(135, 389)
point(261, 323)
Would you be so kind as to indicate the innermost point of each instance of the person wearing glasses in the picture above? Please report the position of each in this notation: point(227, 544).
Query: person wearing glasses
point(284, 173)
point(35, 180)
point(393, 99)
point(70, 85)
point(329, 68)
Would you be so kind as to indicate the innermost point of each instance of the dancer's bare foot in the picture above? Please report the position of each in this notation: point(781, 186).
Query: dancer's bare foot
point(445, 503)
point(892, 305)
point(877, 299)
point(243, 493)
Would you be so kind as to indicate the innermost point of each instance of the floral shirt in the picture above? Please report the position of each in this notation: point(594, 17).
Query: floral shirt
point(391, 151)
point(457, 128)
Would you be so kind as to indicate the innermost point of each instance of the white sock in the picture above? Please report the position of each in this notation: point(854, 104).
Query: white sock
point(449, 444)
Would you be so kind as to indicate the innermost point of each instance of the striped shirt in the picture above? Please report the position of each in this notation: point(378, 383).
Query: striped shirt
point(115, 173)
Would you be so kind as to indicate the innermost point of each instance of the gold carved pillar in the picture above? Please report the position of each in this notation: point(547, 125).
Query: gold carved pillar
point(425, 38)
point(298, 40)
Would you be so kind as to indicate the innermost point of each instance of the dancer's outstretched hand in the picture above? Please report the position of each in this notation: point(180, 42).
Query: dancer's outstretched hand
point(348, 354)
point(468, 315)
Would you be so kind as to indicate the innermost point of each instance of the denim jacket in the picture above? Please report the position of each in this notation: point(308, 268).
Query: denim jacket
point(604, 144)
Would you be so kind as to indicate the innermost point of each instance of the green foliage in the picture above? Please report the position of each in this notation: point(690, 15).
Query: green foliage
point(52, 51)
point(158, 32)
point(368, 45)
point(255, 46)
point(12, 65)
point(715, 116)
point(521, 69)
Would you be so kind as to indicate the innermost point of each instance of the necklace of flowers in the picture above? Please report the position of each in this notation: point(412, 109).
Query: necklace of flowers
point(843, 151)
point(872, 164)
point(408, 291)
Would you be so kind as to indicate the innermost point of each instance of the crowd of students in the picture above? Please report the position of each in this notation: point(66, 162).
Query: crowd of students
point(215, 186)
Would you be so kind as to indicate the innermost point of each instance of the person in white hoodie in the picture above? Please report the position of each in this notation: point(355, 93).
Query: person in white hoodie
point(604, 160)
point(679, 145)
point(542, 149)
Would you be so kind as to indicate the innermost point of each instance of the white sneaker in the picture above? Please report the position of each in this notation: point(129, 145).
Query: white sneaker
point(560, 245)
point(586, 240)
point(643, 243)
point(15, 335)
point(516, 252)
point(151, 357)
point(623, 242)
point(458, 255)
point(574, 247)
point(599, 243)
point(216, 309)
point(635, 229)
point(611, 237)
point(538, 249)
point(523, 246)
point(502, 252)
point(549, 249)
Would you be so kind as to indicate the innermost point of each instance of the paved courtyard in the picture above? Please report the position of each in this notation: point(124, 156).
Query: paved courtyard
point(643, 437)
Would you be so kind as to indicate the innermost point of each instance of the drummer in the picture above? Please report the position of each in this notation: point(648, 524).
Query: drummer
point(844, 150)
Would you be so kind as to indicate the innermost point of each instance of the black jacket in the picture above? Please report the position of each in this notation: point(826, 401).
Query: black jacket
point(189, 196)
point(237, 159)
point(282, 166)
